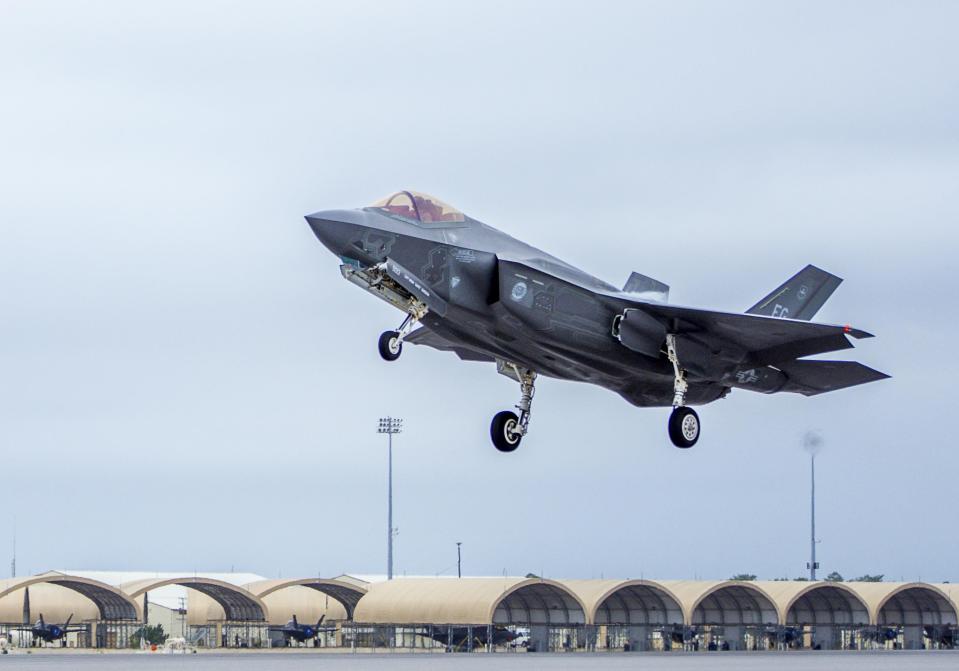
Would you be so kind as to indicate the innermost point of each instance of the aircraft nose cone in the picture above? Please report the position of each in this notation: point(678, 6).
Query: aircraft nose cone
point(333, 229)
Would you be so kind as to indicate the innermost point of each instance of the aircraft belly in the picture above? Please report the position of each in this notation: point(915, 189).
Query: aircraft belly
point(650, 393)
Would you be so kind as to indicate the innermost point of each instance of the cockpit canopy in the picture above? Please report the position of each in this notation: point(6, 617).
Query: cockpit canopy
point(419, 207)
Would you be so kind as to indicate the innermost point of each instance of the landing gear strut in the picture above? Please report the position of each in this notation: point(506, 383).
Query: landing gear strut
point(683, 422)
point(507, 428)
point(390, 344)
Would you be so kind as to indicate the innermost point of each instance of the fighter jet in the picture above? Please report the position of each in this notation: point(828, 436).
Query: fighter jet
point(459, 637)
point(485, 296)
point(940, 636)
point(294, 631)
point(48, 633)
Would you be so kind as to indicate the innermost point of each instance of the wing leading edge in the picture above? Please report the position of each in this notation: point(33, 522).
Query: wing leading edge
point(765, 340)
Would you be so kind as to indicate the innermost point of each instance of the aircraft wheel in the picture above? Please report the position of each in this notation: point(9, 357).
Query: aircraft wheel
point(390, 345)
point(684, 427)
point(503, 431)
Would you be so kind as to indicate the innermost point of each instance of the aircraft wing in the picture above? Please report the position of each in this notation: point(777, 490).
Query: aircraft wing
point(768, 340)
point(745, 338)
point(425, 336)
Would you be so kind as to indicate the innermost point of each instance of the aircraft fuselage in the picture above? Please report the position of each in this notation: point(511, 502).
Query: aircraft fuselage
point(509, 301)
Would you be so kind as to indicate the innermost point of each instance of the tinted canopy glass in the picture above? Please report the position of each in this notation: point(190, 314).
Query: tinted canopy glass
point(419, 207)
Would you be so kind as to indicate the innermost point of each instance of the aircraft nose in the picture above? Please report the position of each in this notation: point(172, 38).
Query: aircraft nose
point(334, 229)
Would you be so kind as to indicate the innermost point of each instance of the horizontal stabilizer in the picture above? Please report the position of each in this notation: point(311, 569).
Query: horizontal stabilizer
point(816, 377)
point(799, 297)
point(646, 287)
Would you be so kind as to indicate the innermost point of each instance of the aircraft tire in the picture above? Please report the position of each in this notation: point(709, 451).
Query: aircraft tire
point(684, 427)
point(390, 346)
point(501, 431)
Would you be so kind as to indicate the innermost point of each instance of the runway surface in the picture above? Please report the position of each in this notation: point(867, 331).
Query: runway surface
point(729, 661)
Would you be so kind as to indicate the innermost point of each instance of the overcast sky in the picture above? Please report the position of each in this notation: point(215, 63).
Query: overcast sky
point(186, 382)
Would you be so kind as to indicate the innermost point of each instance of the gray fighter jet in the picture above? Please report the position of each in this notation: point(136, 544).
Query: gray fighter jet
point(486, 296)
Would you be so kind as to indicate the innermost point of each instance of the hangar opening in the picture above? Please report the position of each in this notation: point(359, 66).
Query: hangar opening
point(914, 617)
point(324, 605)
point(549, 615)
point(56, 610)
point(733, 616)
point(218, 614)
point(825, 616)
point(631, 615)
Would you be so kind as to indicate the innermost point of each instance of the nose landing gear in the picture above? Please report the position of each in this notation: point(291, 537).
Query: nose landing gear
point(683, 423)
point(507, 428)
point(390, 344)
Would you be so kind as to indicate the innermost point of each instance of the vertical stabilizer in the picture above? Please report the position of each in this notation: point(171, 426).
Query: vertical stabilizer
point(646, 288)
point(799, 297)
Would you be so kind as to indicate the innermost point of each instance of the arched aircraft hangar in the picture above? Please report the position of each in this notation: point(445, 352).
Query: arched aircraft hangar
point(909, 614)
point(730, 614)
point(111, 621)
point(466, 612)
point(309, 599)
point(240, 620)
point(630, 614)
point(819, 615)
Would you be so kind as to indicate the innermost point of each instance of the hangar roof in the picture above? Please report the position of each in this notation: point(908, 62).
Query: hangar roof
point(630, 596)
point(470, 601)
point(817, 600)
point(915, 597)
point(170, 596)
point(55, 602)
point(238, 604)
point(719, 597)
point(111, 602)
point(348, 594)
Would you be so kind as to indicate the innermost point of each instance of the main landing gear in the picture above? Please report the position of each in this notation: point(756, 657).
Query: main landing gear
point(390, 344)
point(507, 428)
point(683, 422)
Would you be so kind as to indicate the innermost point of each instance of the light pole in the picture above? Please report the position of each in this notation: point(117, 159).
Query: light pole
point(389, 426)
point(459, 561)
point(812, 443)
point(813, 564)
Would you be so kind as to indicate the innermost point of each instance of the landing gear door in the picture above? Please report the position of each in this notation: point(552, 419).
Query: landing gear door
point(417, 287)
